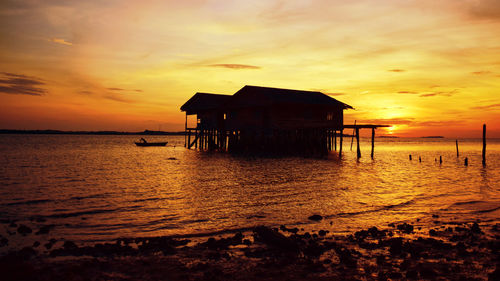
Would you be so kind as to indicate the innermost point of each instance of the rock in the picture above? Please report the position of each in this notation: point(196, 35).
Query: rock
point(495, 275)
point(475, 228)
point(274, 239)
point(3, 241)
point(412, 274)
point(396, 245)
point(395, 275)
point(23, 229)
point(427, 271)
point(432, 232)
point(12, 224)
point(406, 228)
point(70, 245)
point(40, 219)
point(322, 232)
point(291, 230)
point(36, 244)
point(26, 253)
point(314, 250)
point(346, 258)
point(435, 216)
point(172, 158)
point(316, 217)
point(45, 229)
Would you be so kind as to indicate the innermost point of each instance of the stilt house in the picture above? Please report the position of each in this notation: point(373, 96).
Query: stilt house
point(265, 120)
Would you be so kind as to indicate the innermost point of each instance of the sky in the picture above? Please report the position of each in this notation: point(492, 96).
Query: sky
point(427, 67)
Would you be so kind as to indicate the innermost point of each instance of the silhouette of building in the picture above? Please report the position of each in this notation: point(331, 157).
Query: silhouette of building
point(265, 120)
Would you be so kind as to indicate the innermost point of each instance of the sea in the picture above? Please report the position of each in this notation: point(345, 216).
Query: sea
point(91, 188)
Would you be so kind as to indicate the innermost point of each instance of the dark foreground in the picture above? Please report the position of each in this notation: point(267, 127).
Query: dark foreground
point(448, 251)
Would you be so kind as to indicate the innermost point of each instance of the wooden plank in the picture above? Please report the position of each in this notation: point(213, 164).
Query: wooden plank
point(366, 126)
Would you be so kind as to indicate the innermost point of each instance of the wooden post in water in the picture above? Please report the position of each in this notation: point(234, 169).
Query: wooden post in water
point(440, 159)
point(185, 129)
point(358, 151)
point(466, 162)
point(456, 142)
point(373, 141)
point(335, 139)
point(353, 130)
point(484, 144)
point(341, 138)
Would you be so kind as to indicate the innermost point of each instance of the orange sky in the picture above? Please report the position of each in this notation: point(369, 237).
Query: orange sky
point(429, 67)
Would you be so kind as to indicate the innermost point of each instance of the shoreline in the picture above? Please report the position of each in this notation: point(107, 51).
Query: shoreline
point(442, 251)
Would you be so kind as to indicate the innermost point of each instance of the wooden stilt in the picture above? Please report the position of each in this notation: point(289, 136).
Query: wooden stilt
point(341, 137)
point(358, 151)
point(353, 130)
point(456, 143)
point(189, 140)
point(335, 139)
point(373, 141)
point(185, 129)
point(484, 144)
point(197, 135)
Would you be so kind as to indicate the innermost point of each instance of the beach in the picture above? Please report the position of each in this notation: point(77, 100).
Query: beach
point(401, 251)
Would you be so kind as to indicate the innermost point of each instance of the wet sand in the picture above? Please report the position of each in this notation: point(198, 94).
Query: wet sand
point(433, 250)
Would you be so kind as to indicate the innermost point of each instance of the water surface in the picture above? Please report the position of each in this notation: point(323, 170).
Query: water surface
point(101, 187)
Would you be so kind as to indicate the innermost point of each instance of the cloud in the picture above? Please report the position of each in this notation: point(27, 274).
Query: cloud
point(407, 92)
point(412, 122)
point(114, 97)
point(391, 121)
point(121, 89)
point(18, 84)
point(438, 123)
point(444, 94)
point(60, 41)
point(487, 107)
point(484, 72)
point(396, 70)
point(487, 9)
point(234, 66)
point(85, 93)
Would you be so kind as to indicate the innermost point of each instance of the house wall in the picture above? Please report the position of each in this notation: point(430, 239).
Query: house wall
point(267, 119)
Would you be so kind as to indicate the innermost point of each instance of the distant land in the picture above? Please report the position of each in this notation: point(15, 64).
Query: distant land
point(389, 137)
point(433, 137)
point(58, 132)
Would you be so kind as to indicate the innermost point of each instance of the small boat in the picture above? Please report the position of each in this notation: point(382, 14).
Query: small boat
point(151, 143)
point(143, 142)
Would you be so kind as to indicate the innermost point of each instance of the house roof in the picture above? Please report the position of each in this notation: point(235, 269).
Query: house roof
point(251, 96)
point(265, 96)
point(204, 101)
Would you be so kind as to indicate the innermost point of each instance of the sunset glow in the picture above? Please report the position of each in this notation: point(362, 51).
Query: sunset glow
point(426, 67)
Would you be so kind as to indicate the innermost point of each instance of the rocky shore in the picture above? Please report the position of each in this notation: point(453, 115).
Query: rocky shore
point(399, 251)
